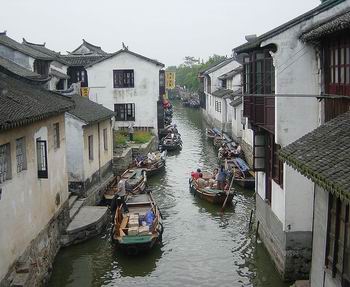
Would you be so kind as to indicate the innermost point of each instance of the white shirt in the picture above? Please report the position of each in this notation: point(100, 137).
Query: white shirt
point(121, 188)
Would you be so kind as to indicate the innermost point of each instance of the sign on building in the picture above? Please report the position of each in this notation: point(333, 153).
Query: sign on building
point(84, 91)
point(169, 80)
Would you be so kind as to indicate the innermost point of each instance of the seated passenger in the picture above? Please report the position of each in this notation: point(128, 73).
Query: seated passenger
point(201, 182)
point(195, 175)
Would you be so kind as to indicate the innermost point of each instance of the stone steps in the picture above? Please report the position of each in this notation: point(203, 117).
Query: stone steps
point(75, 208)
point(72, 200)
point(88, 222)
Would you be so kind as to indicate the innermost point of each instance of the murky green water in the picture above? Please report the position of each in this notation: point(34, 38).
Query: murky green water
point(201, 247)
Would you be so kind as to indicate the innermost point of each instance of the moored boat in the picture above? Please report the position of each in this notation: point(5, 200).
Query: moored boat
point(241, 172)
point(140, 228)
point(136, 180)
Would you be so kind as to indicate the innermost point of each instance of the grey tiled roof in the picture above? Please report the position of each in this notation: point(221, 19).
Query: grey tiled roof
point(96, 50)
point(329, 26)
point(129, 52)
point(237, 101)
point(231, 74)
point(218, 66)
point(284, 27)
point(89, 111)
point(58, 74)
point(74, 60)
point(323, 155)
point(8, 42)
point(17, 69)
point(22, 103)
point(222, 93)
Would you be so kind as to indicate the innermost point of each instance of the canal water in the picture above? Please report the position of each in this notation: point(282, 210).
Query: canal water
point(201, 247)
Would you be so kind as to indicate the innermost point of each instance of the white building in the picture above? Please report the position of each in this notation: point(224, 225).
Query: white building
point(33, 177)
point(220, 83)
point(89, 141)
point(281, 62)
point(127, 83)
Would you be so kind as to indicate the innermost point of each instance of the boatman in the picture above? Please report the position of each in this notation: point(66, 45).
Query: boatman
point(122, 193)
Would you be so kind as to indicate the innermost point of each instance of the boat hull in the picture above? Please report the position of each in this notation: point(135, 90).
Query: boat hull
point(215, 198)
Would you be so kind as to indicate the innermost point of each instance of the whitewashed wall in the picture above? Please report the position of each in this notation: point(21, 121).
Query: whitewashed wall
point(144, 95)
point(75, 143)
point(28, 203)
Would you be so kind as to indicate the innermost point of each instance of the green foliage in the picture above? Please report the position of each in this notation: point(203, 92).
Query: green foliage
point(120, 138)
point(142, 137)
point(187, 73)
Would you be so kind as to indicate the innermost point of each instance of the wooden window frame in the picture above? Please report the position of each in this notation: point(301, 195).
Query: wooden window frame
point(41, 150)
point(124, 112)
point(21, 156)
point(105, 139)
point(123, 79)
point(91, 147)
point(277, 171)
point(338, 245)
point(5, 162)
point(56, 135)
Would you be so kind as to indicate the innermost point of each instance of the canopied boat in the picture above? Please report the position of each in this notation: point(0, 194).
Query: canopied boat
point(171, 142)
point(169, 129)
point(136, 180)
point(213, 133)
point(210, 192)
point(241, 172)
point(140, 228)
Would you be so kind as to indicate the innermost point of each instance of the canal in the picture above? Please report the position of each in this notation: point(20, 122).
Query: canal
point(201, 247)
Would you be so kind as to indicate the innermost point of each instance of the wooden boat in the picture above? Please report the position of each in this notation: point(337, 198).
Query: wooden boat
point(140, 228)
point(243, 176)
point(135, 178)
point(212, 133)
point(171, 142)
point(153, 167)
point(168, 130)
point(216, 196)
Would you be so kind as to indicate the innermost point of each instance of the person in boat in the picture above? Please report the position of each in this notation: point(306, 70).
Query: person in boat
point(213, 178)
point(237, 151)
point(201, 182)
point(139, 160)
point(221, 178)
point(151, 157)
point(195, 175)
point(122, 193)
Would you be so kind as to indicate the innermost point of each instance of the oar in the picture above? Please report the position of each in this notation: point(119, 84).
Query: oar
point(228, 193)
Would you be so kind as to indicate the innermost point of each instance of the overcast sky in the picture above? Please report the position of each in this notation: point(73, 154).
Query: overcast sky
point(161, 29)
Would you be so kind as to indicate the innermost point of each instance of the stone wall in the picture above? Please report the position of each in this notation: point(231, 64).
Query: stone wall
point(248, 153)
point(290, 251)
point(121, 160)
point(34, 266)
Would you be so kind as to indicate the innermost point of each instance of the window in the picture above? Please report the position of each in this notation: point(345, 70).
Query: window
point(338, 240)
point(224, 84)
point(91, 147)
point(41, 151)
point(21, 154)
point(105, 142)
point(123, 78)
point(218, 106)
point(41, 67)
point(277, 168)
point(56, 135)
point(5, 162)
point(234, 113)
point(124, 112)
point(336, 50)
